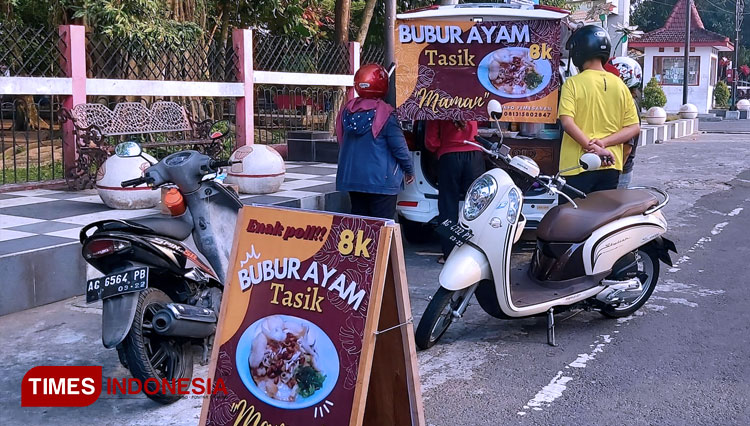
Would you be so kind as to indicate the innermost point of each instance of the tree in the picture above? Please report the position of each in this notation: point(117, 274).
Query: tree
point(721, 95)
point(717, 15)
point(341, 22)
point(364, 27)
point(653, 95)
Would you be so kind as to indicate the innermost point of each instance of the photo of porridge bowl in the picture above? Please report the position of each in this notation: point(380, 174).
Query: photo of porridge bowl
point(511, 73)
point(287, 362)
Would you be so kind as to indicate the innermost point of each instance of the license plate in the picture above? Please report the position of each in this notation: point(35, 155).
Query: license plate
point(116, 284)
point(454, 232)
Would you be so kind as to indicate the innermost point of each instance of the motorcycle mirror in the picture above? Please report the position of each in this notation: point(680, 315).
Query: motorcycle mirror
point(219, 129)
point(495, 110)
point(128, 149)
point(590, 161)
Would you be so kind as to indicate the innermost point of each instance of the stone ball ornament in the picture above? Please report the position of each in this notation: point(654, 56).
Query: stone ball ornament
point(743, 105)
point(688, 111)
point(261, 170)
point(117, 169)
point(656, 115)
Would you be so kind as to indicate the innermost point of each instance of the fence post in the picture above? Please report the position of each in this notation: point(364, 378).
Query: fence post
point(354, 52)
point(243, 45)
point(73, 39)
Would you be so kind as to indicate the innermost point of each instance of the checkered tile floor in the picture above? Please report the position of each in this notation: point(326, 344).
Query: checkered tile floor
point(42, 218)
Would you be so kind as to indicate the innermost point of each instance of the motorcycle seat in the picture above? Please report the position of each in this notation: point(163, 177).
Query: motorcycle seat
point(567, 224)
point(172, 228)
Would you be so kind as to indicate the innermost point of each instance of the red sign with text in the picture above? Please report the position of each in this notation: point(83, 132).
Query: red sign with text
point(450, 70)
point(290, 338)
point(61, 386)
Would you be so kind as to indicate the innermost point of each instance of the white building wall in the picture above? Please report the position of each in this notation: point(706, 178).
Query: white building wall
point(701, 96)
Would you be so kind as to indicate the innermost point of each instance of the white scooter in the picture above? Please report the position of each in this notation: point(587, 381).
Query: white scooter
point(601, 252)
point(417, 205)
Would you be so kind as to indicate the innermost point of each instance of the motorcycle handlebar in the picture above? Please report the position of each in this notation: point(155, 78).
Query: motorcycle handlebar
point(554, 183)
point(575, 190)
point(134, 182)
point(488, 144)
point(215, 164)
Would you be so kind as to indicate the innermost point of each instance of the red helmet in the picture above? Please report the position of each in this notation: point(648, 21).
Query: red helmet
point(371, 81)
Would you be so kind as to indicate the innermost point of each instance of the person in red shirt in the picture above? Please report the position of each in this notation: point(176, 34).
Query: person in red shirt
point(460, 164)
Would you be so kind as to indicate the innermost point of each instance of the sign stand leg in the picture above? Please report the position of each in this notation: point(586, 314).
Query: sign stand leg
point(394, 396)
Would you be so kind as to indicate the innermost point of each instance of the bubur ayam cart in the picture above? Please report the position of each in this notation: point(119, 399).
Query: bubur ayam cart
point(451, 61)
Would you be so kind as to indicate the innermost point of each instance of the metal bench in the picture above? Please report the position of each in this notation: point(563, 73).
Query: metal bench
point(98, 129)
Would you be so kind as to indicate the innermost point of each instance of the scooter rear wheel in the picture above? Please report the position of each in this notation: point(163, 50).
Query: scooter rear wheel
point(649, 277)
point(436, 318)
point(150, 355)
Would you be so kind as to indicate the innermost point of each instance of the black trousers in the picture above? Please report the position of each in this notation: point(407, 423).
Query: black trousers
point(588, 182)
point(457, 171)
point(373, 205)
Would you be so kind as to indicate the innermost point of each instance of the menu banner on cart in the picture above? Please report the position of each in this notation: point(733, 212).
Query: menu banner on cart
point(450, 70)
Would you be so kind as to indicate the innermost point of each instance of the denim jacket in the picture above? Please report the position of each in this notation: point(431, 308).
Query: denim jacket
point(368, 163)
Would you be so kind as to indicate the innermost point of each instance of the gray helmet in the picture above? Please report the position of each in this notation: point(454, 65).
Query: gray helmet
point(589, 41)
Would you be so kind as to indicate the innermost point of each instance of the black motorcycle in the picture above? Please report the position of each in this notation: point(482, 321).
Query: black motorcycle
point(161, 292)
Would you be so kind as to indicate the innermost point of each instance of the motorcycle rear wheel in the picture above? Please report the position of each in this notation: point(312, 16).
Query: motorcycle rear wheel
point(152, 356)
point(650, 273)
point(436, 318)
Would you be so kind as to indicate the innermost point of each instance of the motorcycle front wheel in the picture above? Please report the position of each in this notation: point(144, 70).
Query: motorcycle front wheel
point(437, 317)
point(152, 356)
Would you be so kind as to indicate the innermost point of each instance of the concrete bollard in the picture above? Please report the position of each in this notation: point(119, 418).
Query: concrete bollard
point(117, 169)
point(261, 171)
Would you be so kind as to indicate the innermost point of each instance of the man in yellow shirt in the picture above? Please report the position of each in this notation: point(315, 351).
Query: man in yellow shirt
point(596, 111)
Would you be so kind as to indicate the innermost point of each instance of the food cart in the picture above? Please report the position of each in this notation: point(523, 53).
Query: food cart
point(451, 61)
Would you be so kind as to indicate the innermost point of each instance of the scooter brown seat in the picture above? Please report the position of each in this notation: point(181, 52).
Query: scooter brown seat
point(567, 224)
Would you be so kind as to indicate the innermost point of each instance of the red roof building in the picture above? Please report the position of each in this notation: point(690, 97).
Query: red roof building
point(664, 58)
point(673, 32)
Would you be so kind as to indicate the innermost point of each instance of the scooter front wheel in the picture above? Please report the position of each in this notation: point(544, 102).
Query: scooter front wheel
point(436, 318)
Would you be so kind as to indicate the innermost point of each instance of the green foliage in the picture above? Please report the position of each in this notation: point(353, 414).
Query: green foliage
point(562, 4)
point(653, 95)
point(721, 95)
point(377, 26)
point(297, 18)
point(31, 174)
point(146, 20)
point(650, 15)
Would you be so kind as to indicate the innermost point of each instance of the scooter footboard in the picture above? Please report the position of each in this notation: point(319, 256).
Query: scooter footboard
point(466, 266)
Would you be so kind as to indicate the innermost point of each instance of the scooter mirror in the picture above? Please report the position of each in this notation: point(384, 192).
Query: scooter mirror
point(128, 149)
point(219, 129)
point(494, 110)
point(590, 161)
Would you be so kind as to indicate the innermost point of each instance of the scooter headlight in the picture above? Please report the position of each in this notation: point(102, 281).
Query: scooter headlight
point(479, 196)
point(514, 202)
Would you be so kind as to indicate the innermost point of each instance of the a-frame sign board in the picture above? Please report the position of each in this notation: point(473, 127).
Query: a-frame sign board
point(315, 324)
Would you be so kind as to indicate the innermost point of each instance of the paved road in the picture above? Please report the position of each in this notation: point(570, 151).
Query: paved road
point(681, 360)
